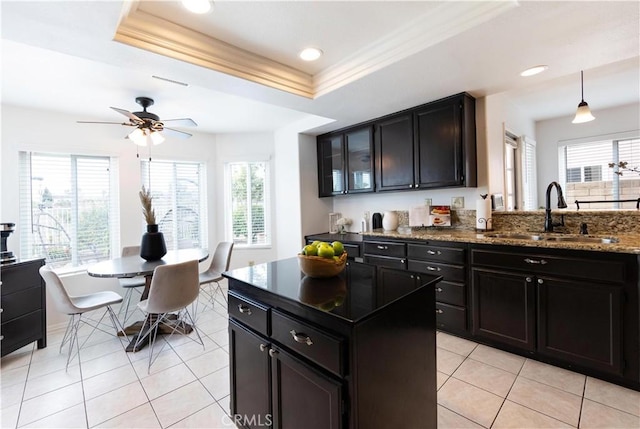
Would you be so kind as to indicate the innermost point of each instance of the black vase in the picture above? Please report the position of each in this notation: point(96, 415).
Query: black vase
point(152, 247)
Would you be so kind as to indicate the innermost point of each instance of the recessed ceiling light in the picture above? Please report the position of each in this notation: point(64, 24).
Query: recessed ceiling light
point(534, 70)
point(310, 54)
point(197, 6)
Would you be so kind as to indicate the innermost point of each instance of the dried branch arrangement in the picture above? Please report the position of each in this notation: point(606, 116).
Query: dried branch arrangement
point(147, 209)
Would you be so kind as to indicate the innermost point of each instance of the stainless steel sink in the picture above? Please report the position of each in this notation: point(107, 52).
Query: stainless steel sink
point(515, 236)
point(595, 240)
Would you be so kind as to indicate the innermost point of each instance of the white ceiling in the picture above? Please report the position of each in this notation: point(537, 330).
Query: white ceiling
point(61, 56)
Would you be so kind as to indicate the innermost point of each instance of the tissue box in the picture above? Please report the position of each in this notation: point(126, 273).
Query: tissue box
point(440, 215)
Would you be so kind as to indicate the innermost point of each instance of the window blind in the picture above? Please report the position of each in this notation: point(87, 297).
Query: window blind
point(68, 208)
point(179, 203)
point(248, 202)
point(529, 175)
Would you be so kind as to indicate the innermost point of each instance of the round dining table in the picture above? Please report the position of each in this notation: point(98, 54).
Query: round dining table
point(134, 266)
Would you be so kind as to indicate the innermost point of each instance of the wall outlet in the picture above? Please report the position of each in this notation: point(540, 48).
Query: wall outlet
point(252, 263)
point(457, 202)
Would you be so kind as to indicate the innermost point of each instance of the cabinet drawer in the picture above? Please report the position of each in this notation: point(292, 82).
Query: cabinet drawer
point(452, 273)
point(19, 331)
point(353, 250)
point(250, 313)
point(397, 263)
point(592, 269)
point(383, 248)
point(435, 253)
point(450, 293)
point(449, 317)
point(319, 347)
point(21, 303)
point(20, 276)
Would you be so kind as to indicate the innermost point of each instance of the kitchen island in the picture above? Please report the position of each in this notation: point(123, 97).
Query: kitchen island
point(330, 353)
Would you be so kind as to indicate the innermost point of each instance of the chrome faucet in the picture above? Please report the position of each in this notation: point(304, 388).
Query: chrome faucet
point(548, 221)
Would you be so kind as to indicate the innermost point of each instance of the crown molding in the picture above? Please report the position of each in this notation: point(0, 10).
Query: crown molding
point(146, 31)
point(445, 21)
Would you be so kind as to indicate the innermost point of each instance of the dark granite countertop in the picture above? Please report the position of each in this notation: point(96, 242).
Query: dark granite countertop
point(350, 298)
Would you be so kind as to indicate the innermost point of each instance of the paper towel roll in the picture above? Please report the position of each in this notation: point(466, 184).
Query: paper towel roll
point(483, 214)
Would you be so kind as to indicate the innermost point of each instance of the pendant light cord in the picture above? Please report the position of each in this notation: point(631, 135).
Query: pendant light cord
point(582, 84)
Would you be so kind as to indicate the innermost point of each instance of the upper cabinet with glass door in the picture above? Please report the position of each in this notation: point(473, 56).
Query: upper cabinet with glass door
point(345, 162)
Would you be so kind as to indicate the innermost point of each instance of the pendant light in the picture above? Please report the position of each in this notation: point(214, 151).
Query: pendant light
point(583, 114)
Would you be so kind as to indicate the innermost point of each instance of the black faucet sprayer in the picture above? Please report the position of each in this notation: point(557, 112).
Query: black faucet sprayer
point(562, 204)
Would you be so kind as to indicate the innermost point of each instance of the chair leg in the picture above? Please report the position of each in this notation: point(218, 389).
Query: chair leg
point(126, 303)
point(193, 324)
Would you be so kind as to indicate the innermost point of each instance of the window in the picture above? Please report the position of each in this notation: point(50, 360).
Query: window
point(69, 205)
point(589, 177)
point(178, 193)
point(247, 196)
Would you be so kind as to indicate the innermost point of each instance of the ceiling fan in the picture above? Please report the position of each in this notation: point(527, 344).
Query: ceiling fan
point(149, 129)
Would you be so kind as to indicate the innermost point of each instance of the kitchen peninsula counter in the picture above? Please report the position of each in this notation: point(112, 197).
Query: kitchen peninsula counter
point(330, 353)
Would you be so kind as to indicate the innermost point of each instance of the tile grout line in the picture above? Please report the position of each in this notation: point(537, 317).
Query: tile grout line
point(505, 396)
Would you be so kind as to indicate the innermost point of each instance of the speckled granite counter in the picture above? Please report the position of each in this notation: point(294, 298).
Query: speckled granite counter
point(627, 243)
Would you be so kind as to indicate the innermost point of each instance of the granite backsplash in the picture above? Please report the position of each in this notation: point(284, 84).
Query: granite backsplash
point(599, 222)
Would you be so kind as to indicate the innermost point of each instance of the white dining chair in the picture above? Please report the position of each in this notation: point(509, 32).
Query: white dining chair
point(173, 288)
point(219, 264)
point(129, 284)
point(76, 307)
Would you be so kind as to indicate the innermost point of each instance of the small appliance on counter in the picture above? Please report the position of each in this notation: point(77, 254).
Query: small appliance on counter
point(376, 221)
point(5, 231)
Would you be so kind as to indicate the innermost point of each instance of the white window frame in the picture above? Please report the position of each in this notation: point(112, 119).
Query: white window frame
point(27, 249)
point(228, 207)
point(202, 191)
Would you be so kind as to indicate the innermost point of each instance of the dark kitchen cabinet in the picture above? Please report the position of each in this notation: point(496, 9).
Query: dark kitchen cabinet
point(345, 162)
point(273, 389)
point(449, 260)
point(425, 147)
point(575, 309)
point(393, 283)
point(581, 322)
point(304, 365)
point(394, 153)
point(445, 143)
point(503, 306)
point(23, 300)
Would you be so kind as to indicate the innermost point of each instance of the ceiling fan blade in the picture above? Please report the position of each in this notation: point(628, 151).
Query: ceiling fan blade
point(175, 133)
point(114, 123)
point(183, 122)
point(128, 114)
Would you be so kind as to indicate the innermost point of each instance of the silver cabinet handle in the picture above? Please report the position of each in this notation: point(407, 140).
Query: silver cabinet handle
point(273, 352)
point(411, 186)
point(438, 289)
point(529, 279)
point(244, 309)
point(540, 281)
point(433, 268)
point(382, 247)
point(263, 347)
point(1, 337)
point(438, 311)
point(431, 252)
point(301, 338)
point(402, 261)
point(535, 261)
point(417, 185)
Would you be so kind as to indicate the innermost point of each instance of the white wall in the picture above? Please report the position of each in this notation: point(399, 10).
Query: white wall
point(550, 132)
point(502, 114)
point(44, 131)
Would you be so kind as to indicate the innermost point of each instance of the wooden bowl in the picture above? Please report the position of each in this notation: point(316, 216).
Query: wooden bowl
point(318, 267)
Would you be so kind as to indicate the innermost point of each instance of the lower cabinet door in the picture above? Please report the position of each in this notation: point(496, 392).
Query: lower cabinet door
point(250, 378)
point(580, 323)
point(302, 396)
point(504, 307)
point(392, 284)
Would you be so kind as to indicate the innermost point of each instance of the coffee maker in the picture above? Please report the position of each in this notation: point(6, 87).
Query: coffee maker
point(5, 231)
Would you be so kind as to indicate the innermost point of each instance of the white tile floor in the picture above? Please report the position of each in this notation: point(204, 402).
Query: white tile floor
point(188, 387)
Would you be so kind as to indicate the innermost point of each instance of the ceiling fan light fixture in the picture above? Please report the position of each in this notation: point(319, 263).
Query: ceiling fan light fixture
point(310, 54)
point(532, 71)
point(197, 6)
point(583, 114)
point(138, 137)
point(156, 138)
